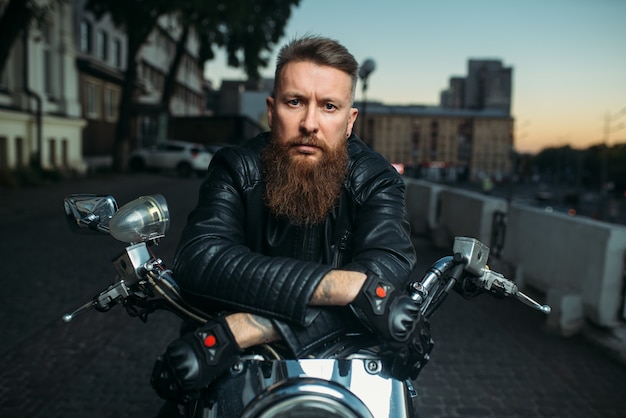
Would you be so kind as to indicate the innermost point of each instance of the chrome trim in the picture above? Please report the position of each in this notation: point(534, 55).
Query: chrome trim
point(346, 386)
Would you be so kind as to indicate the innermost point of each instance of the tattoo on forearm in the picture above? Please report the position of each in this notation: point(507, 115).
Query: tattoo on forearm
point(263, 325)
point(326, 292)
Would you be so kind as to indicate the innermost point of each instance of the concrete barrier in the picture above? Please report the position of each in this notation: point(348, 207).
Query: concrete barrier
point(577, 262)
point(423, 206)
point(567, 256)
point(468, 214)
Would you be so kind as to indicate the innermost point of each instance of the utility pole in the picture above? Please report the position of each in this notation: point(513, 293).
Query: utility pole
point(604, 175)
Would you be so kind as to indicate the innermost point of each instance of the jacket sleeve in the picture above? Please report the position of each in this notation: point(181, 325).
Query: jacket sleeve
point(381, 241)
point(213, 263)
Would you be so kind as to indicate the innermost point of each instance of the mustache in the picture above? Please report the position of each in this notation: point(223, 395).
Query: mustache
point(309, 140)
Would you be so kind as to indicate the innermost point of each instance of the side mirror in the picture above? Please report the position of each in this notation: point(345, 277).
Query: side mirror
point(89, 212)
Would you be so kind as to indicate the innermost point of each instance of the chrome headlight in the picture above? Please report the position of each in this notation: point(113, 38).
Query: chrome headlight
point(307, 398)
point(145, 218)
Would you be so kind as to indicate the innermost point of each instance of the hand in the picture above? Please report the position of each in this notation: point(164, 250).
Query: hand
point(194, 361)
point(406, 360)
point(387, 312)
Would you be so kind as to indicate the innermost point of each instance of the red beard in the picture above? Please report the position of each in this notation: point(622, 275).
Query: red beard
point(302, 191)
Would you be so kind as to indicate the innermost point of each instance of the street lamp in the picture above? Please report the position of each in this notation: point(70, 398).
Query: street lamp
point(366, 69)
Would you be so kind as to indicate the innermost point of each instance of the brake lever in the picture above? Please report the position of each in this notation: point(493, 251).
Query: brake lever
point(112, 295)
point(498, 284)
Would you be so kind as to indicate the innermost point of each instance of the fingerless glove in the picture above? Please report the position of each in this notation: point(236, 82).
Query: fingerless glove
point(194, 360)
point(387, 312)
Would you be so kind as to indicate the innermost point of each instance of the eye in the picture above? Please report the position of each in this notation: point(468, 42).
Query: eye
point(293, 102)
point(330, 106)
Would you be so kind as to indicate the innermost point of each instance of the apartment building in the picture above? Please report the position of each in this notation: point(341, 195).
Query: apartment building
point(40, 110)
point(61, 88)
point(102, 61)
point(459, 143)
point(468, 136)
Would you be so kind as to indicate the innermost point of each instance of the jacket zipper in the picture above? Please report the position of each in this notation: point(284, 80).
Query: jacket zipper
point(341, 248)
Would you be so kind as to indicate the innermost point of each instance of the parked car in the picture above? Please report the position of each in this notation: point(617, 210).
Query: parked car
point(185, 158)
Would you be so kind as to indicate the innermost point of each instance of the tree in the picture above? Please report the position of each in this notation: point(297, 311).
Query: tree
point(18, 15)
point(243, 27)
point(588, 167)
point(246, 28)
point(252, 28)
point(137, 18)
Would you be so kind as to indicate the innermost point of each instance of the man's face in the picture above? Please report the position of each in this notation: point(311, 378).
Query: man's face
point(312, 110)
point(306, 160)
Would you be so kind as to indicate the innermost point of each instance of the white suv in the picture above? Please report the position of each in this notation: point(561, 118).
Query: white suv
point(184, 157)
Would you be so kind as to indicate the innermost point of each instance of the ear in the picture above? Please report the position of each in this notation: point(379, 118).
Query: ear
point(352, 118)
point(269, 103)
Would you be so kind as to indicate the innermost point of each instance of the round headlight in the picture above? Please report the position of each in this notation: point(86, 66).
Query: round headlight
point(143, 219)
point(307, 398)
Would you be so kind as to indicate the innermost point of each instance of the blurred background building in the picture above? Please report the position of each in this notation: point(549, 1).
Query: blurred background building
point(40, 107)
point(60, 94)
point(469, 136)
point(61, 87)
point(102, 63)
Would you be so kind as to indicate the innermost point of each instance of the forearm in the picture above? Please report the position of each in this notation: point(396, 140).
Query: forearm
point(338, 288)
point(250, 330)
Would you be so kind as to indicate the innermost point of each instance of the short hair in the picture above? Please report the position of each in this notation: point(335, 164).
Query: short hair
point(320, 51)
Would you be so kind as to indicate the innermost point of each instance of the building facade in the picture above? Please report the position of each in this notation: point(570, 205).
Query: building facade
point(468, 136)
point(60, 89)
point(441, 144)
point(189, 95)
point(488, 85)
point(102, 62)
point(40, 111)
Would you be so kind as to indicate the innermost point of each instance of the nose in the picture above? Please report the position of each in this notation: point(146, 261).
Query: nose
point(309, 123)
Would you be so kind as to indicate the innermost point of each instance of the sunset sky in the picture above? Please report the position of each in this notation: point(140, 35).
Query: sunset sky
point(568, 57)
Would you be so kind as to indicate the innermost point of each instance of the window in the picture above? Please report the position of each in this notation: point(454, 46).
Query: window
point(19, 152)
point(117, 53)
point(48, 62)
point(4, 153)
point(4, 79)
point(102, 40)
point(64, 153)
point(85, 37)
point(111, 96)
point(52, 152)
point(171, 148)
point(93, 100)
point(47, 72)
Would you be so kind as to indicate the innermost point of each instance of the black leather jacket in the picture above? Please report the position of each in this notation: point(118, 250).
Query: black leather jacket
point(235, 256)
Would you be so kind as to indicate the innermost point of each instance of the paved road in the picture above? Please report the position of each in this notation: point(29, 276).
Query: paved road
point(493, 358)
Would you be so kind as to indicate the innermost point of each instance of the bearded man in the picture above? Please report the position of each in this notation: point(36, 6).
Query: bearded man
point(299, 236)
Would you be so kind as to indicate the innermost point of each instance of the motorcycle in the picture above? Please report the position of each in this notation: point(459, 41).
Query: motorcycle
point(345, 379)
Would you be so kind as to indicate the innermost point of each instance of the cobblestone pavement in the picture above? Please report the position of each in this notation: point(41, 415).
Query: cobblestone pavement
point(492, 358)
point(495, 358)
